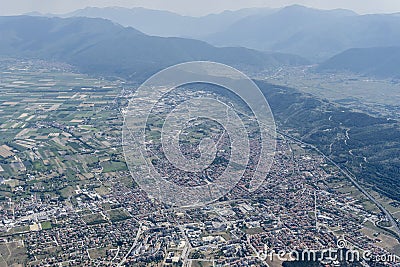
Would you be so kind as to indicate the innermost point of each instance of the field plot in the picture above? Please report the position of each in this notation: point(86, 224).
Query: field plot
point(68, 199)
point(12, 254)
point(52, 126)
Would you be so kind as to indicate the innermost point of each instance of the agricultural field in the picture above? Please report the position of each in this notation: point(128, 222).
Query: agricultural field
point(57, 128)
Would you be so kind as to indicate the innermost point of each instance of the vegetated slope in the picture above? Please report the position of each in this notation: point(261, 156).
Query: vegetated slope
point(368, 146)
point(314, 34)
point(102, 47)
point(311, 33)
point(377, 61)
point(165, 23)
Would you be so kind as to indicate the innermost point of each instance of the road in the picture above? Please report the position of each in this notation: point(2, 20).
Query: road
point(350, 176)
point(132, 247)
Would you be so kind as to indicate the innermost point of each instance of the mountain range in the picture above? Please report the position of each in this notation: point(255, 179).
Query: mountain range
point(376, 61)
point(164, 23)
point(311, 33)
point(100, 46)
point(338, 40)
point(103, 47)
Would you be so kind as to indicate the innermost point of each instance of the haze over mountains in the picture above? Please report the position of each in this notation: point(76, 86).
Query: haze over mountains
point(165, 23)
point(376, 61)
point(97, 41)
point(314, 34)
point(338, 40)
point(311, 33)
point(100, 46)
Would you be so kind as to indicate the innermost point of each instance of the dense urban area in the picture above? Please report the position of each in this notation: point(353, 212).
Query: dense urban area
point(67, 197)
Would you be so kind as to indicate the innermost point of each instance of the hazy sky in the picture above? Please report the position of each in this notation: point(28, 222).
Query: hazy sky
point(193, 7)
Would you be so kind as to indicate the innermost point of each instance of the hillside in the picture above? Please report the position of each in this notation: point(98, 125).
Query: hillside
point(100, 46)
point(311, 33)
point(366, 145)
point(165, 23)
point(315, 34)
point(378, 61)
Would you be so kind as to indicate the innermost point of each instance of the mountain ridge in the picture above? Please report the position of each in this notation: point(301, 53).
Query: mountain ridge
point(383, 62)
point(163, 23)
point(124, 50)
point(312, 33)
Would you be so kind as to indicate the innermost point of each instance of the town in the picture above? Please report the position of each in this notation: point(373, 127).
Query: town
point(68, 198)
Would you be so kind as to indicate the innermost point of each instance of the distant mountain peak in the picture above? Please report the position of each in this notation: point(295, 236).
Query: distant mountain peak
point(296, 7)
point(100, 46)
point(301, 9)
